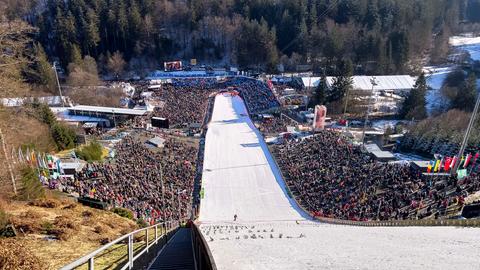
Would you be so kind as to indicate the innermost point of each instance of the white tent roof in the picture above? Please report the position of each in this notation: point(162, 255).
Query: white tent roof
point(99, 109)
point(398, 82)
point(310, 81)
point(395, 82)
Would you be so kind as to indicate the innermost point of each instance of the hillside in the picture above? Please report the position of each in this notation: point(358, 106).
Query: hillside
point(54, 232)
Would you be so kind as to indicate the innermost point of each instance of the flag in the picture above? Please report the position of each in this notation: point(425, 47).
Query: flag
point(454, 162)
point(461, 174)
point(14, 157)
point(437, 165)
point(448, 163)
point(467, 160)
point(28, 155)
point(20, 155)
point(477, 155)
point(429, 167)
point(58, 166)
point(45, 162)
point(34, 160)
point(461, 162)
point(39, 160)
point(50, 162)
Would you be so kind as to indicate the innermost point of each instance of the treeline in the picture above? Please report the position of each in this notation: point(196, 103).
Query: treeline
point(383, 36)
point(441, 135)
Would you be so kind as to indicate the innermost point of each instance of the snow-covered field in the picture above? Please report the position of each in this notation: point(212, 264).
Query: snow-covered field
point(437, 74)
point(468, 43)
point(241, 178)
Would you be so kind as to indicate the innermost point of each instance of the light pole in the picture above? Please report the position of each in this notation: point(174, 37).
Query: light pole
point(54, 67)
point(374, 83)
point(467, 135)
point(163, 194)
point(114, 122)
point(179, 205)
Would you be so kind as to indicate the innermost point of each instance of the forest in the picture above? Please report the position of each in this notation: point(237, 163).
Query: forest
point(378, 36)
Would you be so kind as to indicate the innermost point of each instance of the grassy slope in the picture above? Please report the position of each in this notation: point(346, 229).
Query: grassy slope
point(82, 230)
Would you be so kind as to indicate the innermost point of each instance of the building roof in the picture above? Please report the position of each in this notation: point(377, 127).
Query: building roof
point(16, 102)
point(156, 141)
point(310, 81)
point(421, 163)
point(111, 110)
point(78, 166)
point(394, 82)
point(400, 82)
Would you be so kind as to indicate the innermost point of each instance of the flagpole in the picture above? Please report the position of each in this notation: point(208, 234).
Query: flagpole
point(8, 163)
point(467, 134)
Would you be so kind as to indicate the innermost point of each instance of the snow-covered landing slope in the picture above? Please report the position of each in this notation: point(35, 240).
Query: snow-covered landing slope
point(239, 174)
point(240, 177)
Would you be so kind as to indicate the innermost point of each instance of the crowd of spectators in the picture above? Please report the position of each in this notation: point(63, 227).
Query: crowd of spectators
point(184, 101)
point(133, 179)
point(256, 94)
point(333, 178)
point(276, 124)
point(183, 104)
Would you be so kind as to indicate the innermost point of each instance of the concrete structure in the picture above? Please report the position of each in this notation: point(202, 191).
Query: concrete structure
point(378, 154)
point(98, 110)
point(157, 142)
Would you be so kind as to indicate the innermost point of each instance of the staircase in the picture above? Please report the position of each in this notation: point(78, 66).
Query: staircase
point(177, 254)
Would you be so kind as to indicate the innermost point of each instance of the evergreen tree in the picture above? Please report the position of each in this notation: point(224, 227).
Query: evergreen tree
point(415, 104)
point(372, 17)
point(44, 74)
point(320, 92)
point(341, 83)
point(473, 11)
point(467, 94)
point(64, 136)
point(91, 30)
point(31, 186)
point(75, 55)
point(45, 114)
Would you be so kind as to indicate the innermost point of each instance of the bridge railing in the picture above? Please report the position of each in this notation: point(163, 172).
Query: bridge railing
point(150, 238)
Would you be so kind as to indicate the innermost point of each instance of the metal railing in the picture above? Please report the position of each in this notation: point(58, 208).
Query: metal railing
point(160, 232)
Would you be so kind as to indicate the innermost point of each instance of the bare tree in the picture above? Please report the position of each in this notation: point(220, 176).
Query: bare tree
point(14, 50)
point(116, 64)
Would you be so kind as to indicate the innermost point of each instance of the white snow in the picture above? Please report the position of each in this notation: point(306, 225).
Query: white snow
point(467, 43)
point(241, 178)
point(236, 163)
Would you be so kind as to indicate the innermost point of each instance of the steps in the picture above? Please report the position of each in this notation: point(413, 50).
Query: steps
point(177, 254)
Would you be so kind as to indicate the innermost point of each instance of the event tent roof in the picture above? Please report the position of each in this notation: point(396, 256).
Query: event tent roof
point(395, 82)
point(98, 109)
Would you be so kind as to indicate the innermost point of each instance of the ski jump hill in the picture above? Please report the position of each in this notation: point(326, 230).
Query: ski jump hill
point(271, 232)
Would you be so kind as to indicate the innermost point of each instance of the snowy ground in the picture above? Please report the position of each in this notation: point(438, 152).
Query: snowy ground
point(468, 43)
point(272, 233)
point(437, 74)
